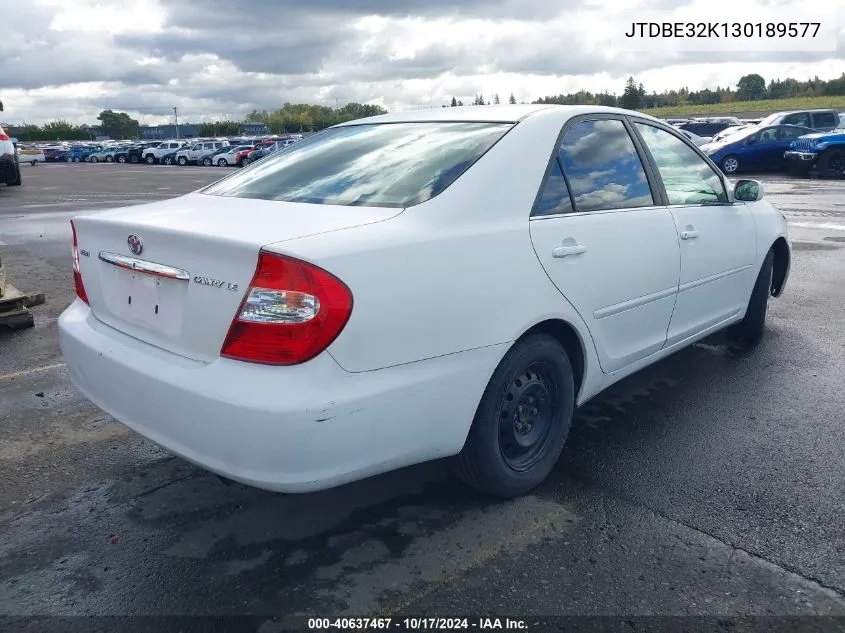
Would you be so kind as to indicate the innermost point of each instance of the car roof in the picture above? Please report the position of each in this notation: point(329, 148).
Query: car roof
point(504, 113)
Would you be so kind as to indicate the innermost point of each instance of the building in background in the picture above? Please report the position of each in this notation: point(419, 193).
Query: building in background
point(161, 132)
point(255, 129)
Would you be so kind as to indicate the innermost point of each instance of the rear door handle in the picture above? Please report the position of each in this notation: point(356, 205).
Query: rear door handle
point(689, 235)
point(566, 251)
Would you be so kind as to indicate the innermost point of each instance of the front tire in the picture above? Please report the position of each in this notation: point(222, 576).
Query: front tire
point(121, 159)
point(222, 163)
point(730, 164)
point(182, 161)
point(150, 159)
point(206, 162)
point(832, 164)
point(93, 159)
point(750, 329)
point(522, 421)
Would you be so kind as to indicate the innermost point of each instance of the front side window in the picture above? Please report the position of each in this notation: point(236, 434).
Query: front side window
point(687, 177)
point(799, 118)
point(791, 131)
point(387, 164)
point(603, 167)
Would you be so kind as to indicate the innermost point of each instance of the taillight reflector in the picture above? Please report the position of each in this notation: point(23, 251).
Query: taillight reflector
point(77, 276)
point(292, 311)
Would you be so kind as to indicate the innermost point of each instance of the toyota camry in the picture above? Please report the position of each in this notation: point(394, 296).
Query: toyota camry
point(407, 287)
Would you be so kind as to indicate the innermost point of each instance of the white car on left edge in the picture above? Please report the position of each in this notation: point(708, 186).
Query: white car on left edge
point(449, 282)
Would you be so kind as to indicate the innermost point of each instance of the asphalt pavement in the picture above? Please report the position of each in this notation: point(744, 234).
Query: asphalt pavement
point(709, 484)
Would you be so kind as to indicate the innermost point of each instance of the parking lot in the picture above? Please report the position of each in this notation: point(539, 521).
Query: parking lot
point(709, 484)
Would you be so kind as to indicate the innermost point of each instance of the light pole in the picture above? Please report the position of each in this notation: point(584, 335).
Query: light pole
point(176, 119)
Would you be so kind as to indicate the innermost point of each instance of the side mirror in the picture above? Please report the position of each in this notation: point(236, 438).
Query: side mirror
point(748, 191)
point(750, 140)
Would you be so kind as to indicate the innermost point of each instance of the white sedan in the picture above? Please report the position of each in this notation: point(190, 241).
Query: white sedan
point(449, 282)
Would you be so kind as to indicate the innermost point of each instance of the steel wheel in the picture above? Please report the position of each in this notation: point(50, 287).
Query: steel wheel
point(526, 414)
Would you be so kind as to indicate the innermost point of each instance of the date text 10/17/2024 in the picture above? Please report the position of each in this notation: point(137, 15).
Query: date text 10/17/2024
point(417, 624)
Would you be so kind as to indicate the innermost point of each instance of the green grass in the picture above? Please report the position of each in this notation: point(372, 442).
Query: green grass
point(772, 105)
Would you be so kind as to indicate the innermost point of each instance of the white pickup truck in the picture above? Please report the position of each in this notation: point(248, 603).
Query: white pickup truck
point(152, 155)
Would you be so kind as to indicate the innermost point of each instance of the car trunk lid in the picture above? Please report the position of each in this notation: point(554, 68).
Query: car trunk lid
point(194, 257)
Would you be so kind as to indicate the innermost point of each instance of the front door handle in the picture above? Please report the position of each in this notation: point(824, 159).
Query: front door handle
point(689, 234)
point(566, 251)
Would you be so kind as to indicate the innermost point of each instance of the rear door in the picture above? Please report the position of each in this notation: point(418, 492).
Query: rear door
point(718, 239)
point(605, 242)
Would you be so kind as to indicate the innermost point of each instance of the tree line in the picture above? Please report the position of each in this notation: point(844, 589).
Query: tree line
point(291, 117)
point(751, 87)
point(304, 117)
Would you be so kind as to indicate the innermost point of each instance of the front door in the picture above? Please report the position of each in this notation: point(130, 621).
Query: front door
point(717, 238)
point(610, 250)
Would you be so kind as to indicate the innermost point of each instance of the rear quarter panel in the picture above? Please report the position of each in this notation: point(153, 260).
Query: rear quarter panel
point(455, 273)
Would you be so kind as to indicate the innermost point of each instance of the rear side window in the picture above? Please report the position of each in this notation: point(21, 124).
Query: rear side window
point(554, 199)
point(825, 119)
point(603, 167)
point(387, 165)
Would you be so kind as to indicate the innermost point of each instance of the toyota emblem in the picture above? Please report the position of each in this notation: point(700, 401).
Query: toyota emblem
point(136, 245)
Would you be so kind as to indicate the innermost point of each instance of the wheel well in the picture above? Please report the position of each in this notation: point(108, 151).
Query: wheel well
point(780, 266)
point(567, 336)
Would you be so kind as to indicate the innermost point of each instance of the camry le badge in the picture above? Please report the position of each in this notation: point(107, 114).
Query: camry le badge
point(136, 244)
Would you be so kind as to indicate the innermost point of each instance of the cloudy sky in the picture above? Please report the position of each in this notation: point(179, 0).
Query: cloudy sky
point(70, 59)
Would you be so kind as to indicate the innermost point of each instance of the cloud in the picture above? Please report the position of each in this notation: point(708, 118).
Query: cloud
point(213, 58)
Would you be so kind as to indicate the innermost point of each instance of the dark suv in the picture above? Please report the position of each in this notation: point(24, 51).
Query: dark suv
point(824, 120)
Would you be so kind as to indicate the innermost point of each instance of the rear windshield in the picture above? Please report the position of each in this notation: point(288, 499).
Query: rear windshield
point(385, 165)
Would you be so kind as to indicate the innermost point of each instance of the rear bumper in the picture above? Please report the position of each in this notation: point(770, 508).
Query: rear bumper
point(290, 429)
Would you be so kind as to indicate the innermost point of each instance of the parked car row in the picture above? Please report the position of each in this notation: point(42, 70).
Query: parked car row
point(202, 151)
point(799, 142)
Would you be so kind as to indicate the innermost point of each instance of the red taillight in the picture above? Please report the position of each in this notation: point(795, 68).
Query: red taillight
point(4, 137)
point(292, 311)
point(77, 276)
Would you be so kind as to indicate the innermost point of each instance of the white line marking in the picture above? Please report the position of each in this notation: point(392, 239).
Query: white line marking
point(27, 372)
point(823, 225)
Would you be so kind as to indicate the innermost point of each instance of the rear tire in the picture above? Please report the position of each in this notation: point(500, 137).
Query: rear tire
point(121, 159)
point(222, 163)
point(150, 159)
point(109, 159)
point(206, 162)
point(522, 421)
point(750, 329)
point(93, 159)
point(182, 161)
point(16, 180)
point(730, 164)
